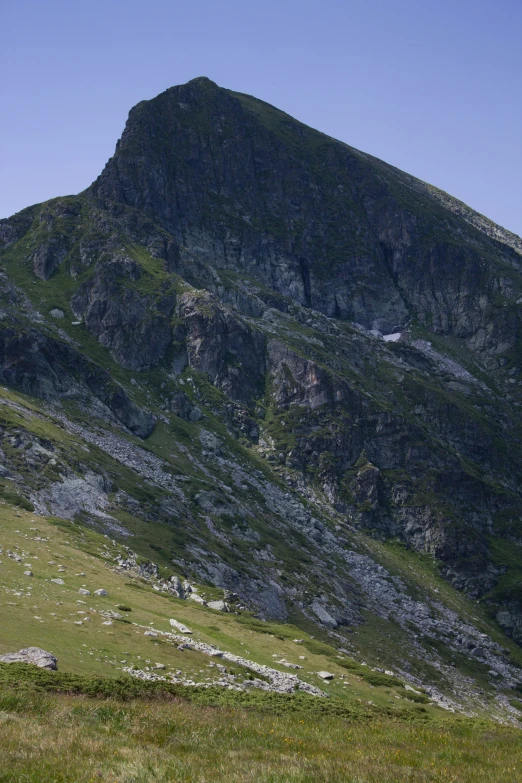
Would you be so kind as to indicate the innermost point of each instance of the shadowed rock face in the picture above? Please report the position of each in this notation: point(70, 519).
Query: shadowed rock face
point(136, 332)
point(51, 369)
point(245, 268)
point(245, 187)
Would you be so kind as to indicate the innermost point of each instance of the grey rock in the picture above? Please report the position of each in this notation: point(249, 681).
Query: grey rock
point(112, 614)
point(219, 606)
point(51, 368)
point(124, 320)
point(179, 626)
point(324, 616)
point(48, 256)
point(75, 494)
point(33, 655)
point(195, 414)
point(197, 598)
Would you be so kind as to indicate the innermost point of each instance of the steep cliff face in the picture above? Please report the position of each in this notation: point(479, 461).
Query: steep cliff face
point(322, 352)
point(243, 186)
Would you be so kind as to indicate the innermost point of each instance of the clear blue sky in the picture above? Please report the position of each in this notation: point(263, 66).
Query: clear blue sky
point(431, 86)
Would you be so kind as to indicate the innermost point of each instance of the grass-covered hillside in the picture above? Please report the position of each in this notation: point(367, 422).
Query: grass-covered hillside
point(66, 738)
point(90, 720)
point(103, 635)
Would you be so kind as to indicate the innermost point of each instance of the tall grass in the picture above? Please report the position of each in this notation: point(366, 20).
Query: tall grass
point(64, 738)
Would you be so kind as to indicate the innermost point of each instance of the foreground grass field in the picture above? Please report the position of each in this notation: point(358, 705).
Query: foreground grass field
point(88, 723)
point(66, 738)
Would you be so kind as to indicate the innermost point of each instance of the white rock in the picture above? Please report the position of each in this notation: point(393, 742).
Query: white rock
point(58, 581)
point(101, 592)
point(284, 662)
point(219, 606)
point(180, 626)
point(34, 655)
point(326, 675)
point(28, 573)
point(197, 598)
point(83, 591)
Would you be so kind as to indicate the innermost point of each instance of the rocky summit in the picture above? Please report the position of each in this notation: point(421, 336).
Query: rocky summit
point(273, 365)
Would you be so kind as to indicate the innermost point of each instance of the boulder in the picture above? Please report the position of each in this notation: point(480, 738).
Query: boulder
point(324, 616)
point(197, 598)
point(33, 655)
point(325, 675)
point(101, 591)
point(179, 626)
point(219, 606)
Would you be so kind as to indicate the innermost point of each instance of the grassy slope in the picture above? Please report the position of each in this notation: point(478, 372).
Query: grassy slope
point(364, 733)
point(34, 611)
point(75, 739)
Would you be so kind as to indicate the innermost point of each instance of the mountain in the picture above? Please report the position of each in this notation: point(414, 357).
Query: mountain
point(272, 364)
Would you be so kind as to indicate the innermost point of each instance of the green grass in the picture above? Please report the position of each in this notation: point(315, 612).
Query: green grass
point(507, 555)
point(82, 736)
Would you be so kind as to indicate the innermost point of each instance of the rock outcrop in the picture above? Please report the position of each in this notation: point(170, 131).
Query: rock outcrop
point(33, 655)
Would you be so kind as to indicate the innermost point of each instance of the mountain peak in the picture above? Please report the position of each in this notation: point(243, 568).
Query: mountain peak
point(203, 81)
